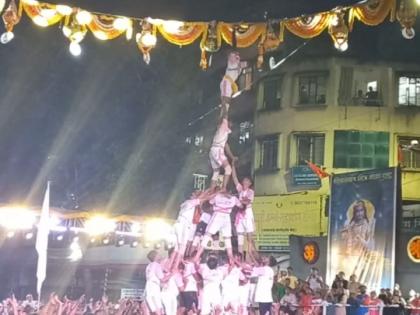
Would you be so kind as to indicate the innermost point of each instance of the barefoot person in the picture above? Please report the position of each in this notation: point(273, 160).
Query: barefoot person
point(184, 226)
point(220, 151)
point(244, 221)
point(154, 279)
point(223, 203)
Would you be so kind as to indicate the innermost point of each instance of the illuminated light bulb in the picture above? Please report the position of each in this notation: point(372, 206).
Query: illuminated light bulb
point(76, 251)
point(66, 31)
point(6, 37)
point(100, 35)
point(75, 49)
point(105, 241)
point(172, 26)
point(29, 235)
point(64, 9)
point(134, 244)
point(10, 234)
point(135, 227)
point(148, 39)
point(342, 47)
point(40, 21)
point(121, 23)
point(60, 237)
point(83, 17)
point(334, 20)
point(48, 13)
point(408, 33)
point(129, 32)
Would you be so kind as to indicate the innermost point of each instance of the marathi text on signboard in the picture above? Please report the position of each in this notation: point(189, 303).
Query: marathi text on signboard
point(277, 217)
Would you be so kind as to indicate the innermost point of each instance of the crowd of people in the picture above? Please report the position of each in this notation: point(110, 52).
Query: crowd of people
point(214, 287)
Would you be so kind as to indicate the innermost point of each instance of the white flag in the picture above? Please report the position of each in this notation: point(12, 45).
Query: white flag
point(42, 241)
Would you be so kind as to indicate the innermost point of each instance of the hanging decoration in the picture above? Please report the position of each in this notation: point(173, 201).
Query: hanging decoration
point(267, 36)
point(210, 42)
point(75, 32)
point(246, 34)
point(146, 40)
point(105, 27)
point(406, 15)
point(338, 30)
point(42, 14)
point(180, 33)
point(373, 13)
point(11, 16)
point(308, 26)
point(269, 41)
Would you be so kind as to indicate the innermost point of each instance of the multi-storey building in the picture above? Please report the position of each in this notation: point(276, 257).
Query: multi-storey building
point(341, 114)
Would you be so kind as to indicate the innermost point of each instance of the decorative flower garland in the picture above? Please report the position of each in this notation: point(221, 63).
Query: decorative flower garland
point(76, 22)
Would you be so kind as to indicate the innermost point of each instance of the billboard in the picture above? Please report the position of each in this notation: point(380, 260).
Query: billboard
point(362, 226)
point(278, 217)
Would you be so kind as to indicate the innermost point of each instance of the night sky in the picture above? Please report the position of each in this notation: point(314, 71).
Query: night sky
point(109, 129)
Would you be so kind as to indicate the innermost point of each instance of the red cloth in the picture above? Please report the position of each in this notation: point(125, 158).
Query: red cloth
point(317, 170)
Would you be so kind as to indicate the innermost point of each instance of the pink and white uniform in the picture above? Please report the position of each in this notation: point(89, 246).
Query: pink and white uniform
point(184, 226)
point(154, 274)
point(170, 292)
point(234, 68)
point(217, 151)
point(230, 288)
point(211, 298)
point(220, 219)
point(244, 221)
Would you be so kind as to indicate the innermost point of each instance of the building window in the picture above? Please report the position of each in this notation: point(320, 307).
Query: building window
point(406, 223)
point(198, 140)
point(410, 155)
point(272, 93)
point(312, 89)
point(409, 90)
point(245, 131)
point(416, 222)
point(245, 79)
point(361, 149)
point(370, 98)
point(310, 147)
point(200, 181)
point(269, 149)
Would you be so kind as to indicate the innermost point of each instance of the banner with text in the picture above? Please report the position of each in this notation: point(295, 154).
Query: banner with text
point(362, 226)
point(278, 217)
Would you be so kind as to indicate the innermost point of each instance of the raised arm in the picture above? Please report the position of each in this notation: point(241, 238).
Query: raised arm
point(234, 174)
point(229, 153)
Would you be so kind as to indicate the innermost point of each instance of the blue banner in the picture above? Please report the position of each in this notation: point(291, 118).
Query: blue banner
point(362, 227)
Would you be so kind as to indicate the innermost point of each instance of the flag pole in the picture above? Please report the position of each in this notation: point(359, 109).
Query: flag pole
point(41, 244)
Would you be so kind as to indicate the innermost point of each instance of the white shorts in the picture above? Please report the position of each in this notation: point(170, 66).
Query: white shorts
point(251, 296)
point(230, 296)
point(153, 296)
point(217, 157)
point(226, 88)
point(246, 224)
point(211, 299)
point(170, 302)
point(220, 222)
point(244, 291)
point(184, 233)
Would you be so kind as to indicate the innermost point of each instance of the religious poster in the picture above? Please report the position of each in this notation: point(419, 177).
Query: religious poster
point(362, 226)
point(278, 217)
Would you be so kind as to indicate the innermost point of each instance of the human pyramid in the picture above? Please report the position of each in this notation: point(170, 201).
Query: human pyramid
point(212, 286)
